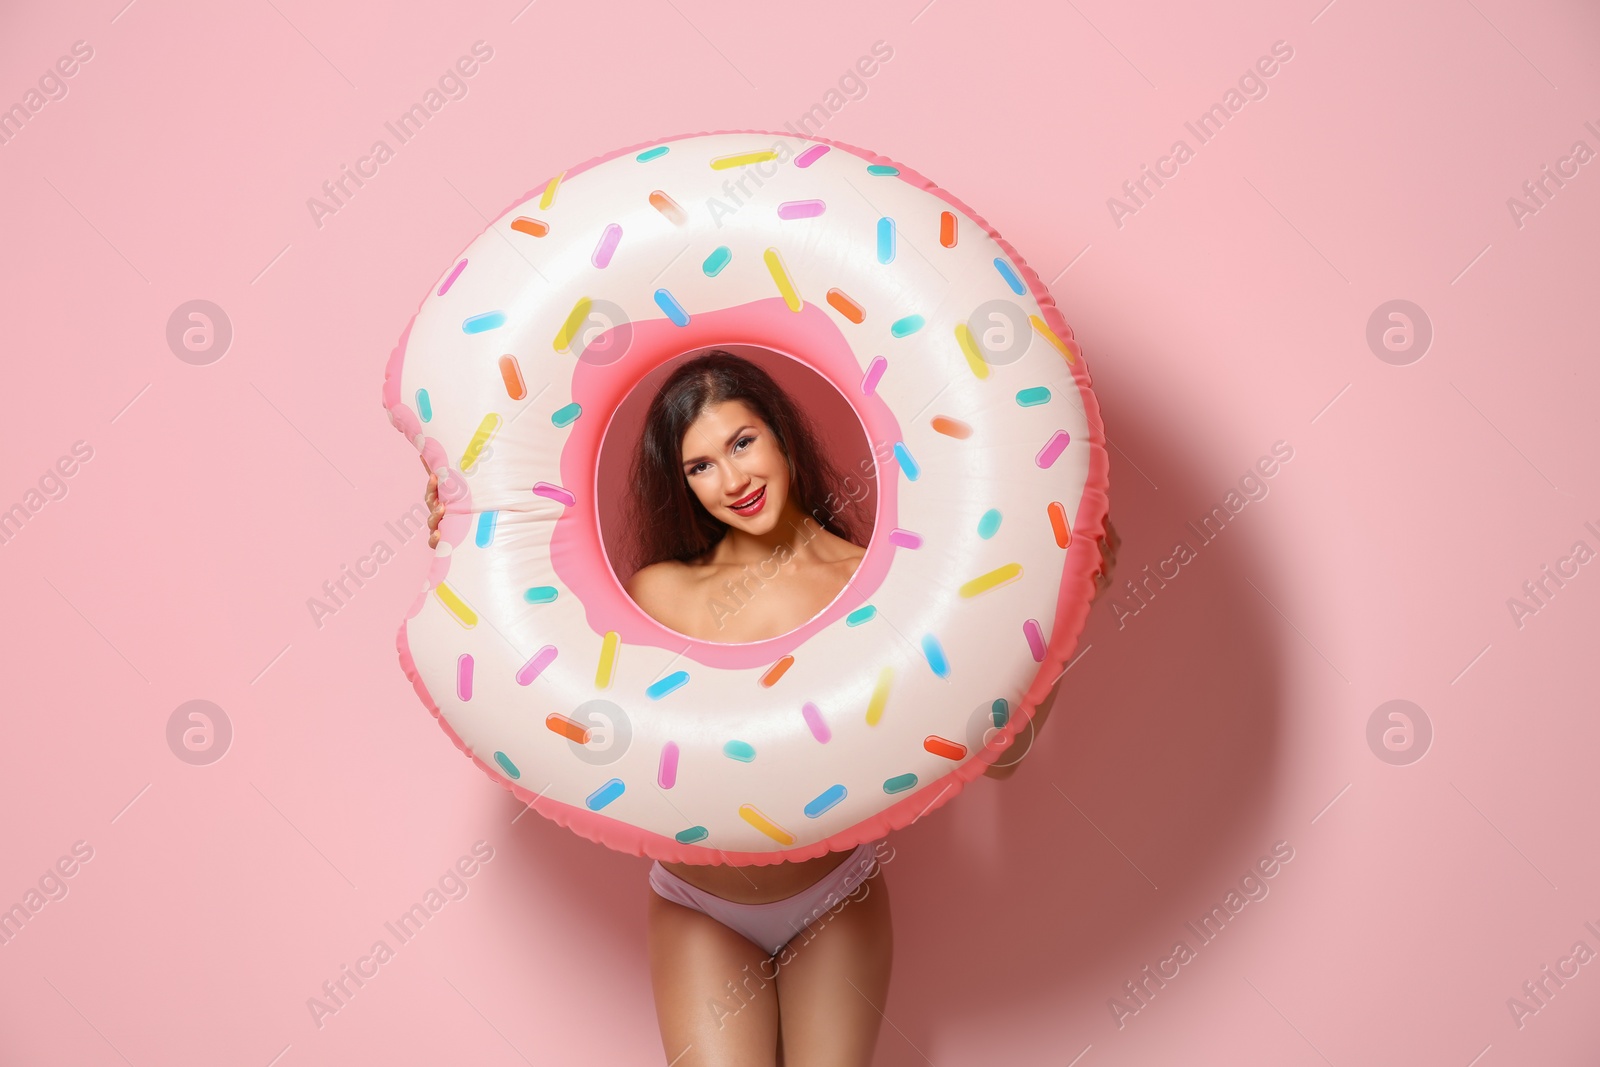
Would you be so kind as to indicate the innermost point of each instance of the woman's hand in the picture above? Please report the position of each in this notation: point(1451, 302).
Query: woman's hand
point(1109, 542)
point(435, 508)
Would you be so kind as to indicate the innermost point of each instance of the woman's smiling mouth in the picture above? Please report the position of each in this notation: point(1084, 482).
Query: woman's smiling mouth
point(751, 504)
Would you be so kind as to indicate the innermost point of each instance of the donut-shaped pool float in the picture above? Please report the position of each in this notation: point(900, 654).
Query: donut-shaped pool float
point(979, 436)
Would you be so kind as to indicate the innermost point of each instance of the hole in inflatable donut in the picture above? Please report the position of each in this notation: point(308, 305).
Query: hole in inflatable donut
point(754, 597)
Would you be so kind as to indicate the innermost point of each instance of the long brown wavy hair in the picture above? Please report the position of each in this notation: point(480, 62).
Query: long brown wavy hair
point(668, 521)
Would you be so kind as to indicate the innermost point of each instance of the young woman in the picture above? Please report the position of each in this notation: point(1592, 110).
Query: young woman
point(729, 479)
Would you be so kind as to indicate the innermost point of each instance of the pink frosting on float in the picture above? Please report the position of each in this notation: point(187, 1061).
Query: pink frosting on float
point(1072, 606)
point(576, 550)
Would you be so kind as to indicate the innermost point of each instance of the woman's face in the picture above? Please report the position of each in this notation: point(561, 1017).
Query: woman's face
point(730, 456)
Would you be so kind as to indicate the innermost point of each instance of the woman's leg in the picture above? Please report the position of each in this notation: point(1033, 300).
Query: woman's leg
point(704, 1023)
point(834, 988)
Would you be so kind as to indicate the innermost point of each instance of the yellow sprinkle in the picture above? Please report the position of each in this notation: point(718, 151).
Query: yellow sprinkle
point(575, 319)
point(744, 159)
point(781, 276)
point(880, 696)
point(456, 606)
point(480, 441)
point(608, 660)
point(997, 577)
point(969, 348)
point(1050, 335)
point(753, 816)
point(549, 196)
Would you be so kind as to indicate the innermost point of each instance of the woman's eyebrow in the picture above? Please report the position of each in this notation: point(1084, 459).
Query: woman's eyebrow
point(734, 436)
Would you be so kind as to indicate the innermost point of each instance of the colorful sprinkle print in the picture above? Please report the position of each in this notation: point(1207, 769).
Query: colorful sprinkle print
point(850, 254)
point(810, 155)
point(450, 279)
point(719, 258)
point(489, 320)
point(536, 665)
point(610, 237)
point(824, 800)
point(675, 680)
point(673, 310)
point(845, 306)
point(801, 209)
point(875, 369)
point(667, 768)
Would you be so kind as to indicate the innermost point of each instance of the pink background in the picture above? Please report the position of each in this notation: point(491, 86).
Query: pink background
point(1229, 312)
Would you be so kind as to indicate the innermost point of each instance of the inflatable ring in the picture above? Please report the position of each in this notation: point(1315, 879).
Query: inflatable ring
point(987, 459)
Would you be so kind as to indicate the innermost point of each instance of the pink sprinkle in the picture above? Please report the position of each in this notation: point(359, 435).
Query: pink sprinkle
point(450, 279)
point(905, 538)
point(1052, 448)
point(1030, 630)
point(667, 772)
point(800, 209)
point(607, 245)
point(874, 372)
point(540, 660)
point(810, 155)
point(813, 717)
point(554, 492)
point(464, 676)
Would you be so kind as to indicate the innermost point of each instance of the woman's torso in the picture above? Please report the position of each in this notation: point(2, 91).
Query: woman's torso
point(736, 604)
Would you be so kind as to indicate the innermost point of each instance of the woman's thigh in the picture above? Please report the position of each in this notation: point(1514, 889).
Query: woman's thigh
point(716, 1003)
point(833, 989)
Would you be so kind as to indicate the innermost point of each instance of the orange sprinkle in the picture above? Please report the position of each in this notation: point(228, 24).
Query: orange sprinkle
point(511, 374)
point(952, 427)
point(1058, 523)
point(668, 207)
point(775, 672)
point(571, 729)
point(531, 227)
point(845, 306)
point(940, 746)
point(947, 229)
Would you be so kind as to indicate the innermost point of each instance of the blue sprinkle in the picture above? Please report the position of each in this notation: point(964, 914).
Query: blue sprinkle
point(989, 525)
point(935, 654)
point(907, 464)
point(881, 170)
point(540, 594)
point(424, 405)
point(743, 751)
point(506, 765)
point(860, 615)
point(489, 320)
point(825, 800)
point(1009, 275)
point(675, 680)
point(566, 416)
point(691, 835)
point(1039, 394)
point(719, 258)
point(651, 153)
point(908, 325)
point(484, 536)
point(605, 794)
point(674, 310)
point(885, 239)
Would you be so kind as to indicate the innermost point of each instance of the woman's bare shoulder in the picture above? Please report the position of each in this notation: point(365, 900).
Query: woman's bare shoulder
point(657, 587)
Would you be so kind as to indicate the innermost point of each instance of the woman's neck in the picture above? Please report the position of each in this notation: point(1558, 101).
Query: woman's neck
point(795, 532)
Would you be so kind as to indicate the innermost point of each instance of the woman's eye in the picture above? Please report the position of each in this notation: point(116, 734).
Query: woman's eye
point(741, 441)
